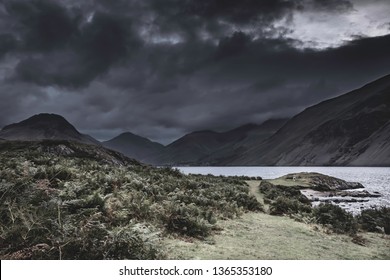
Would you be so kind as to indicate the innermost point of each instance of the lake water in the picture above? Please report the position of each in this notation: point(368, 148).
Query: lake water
point(372, 178)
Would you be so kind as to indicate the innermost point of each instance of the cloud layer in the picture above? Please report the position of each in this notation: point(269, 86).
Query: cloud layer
point(165, 68)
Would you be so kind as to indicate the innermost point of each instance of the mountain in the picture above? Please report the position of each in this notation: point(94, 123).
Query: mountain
point(135, 146)
point(352, 129)
point(256, 134)
point(45, 126)
point(215, 148)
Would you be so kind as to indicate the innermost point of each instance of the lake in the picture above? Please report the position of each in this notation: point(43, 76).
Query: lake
point(372, 178)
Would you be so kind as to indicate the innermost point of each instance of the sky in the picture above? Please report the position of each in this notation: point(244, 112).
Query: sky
point(161, 69)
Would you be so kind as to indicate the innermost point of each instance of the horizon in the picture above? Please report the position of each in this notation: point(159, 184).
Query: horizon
point(163, 70)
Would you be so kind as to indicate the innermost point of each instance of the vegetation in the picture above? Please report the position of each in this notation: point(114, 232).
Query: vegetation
point(284, 200)
point(66, 201)
point(288, 200)
point(336, 218)
point(375, 220)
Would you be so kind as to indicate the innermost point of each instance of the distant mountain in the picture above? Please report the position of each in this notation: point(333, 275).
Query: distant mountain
point(135, 146)
point(254, 135)
point(352, 129)
point(45, 126)
point(215, 148)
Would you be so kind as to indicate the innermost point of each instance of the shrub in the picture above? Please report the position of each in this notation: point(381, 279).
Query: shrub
point(53, 172)
point(187, 220)
point(284, 200)
point(284, 205)
point(272, 192)
point(333, 216)
point(375, 220)
point(96, 242)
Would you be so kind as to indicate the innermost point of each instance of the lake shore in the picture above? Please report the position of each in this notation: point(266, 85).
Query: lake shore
point(374, 179)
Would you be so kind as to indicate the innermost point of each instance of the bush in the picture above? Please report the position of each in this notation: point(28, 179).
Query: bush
point(284, 200)
point(53, 172)
point(188, 220)
point(96, 242)
point(272, 192)
point(284, 205)
point(375, 220)
point(333, 216)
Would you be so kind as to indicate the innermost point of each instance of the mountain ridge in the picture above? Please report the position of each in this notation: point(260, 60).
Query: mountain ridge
point(45, 126)
point(208, 147)
point(328, 133)
point(134, 146)
point(352, 129)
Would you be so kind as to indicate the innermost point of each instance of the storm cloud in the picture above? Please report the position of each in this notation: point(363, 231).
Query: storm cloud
point(165, 68)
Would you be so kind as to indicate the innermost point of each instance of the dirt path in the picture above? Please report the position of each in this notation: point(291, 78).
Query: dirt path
point(253, 189)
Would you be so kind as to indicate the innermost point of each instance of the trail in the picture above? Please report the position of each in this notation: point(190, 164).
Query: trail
point(253, 189)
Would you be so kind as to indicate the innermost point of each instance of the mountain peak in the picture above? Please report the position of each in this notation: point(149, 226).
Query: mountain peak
point(44, 126)
point(43, 120)
point(134, 146)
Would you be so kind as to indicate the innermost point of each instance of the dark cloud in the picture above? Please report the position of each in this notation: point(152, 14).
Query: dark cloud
point(43, 25)
point(230, 10)
point(165, 68)
point(7, 43)
point(61, 48)
point(230, 46)
point(331, 5)
point(193, 19)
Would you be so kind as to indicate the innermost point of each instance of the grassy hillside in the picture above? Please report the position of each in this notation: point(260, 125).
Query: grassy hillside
point(62, 200)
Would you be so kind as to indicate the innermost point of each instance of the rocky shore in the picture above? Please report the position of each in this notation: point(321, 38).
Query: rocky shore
point(320, 187)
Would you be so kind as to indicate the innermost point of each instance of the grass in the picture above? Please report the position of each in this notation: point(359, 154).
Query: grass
point(260, 236)
point(289, 183)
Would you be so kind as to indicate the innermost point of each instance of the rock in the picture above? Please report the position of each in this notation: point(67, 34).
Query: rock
point(362, 193)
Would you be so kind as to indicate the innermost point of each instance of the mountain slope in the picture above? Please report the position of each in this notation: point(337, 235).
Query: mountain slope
point(45, 126)
point(190, 148)
point(135, 146)
point(216, 148)
point(253, 136)
point(352, 129)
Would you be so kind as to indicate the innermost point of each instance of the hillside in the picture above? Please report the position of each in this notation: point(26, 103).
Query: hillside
point(257, 134)
point(45, 126)
point(216, 148)
point(352, 129)
point(135, 146)
point(68, 200)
